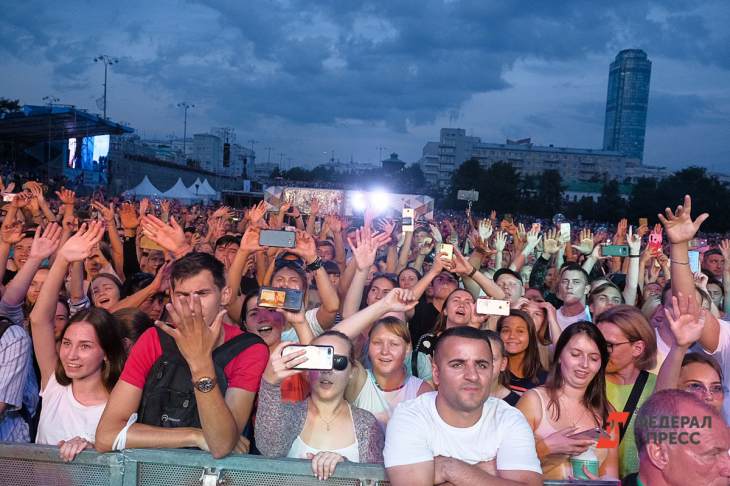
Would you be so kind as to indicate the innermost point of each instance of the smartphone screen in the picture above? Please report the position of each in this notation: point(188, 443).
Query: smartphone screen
point(278, 298)
point(492, 307)
point(655, 241)
point(8, 197)
point(615, 250)
point(694, 260)
point(565, 231)
point(407, 221)
point(448, 249)
point(277, 238)
point(318, 357)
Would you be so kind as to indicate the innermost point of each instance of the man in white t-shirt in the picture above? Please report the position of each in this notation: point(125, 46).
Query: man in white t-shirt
point(459, 435)
point(573, 290)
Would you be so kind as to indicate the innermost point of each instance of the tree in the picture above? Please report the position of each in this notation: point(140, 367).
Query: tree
point(644, 200)
point(549, 197)
point(611, 207)
point(499, 188)
point(7, 105)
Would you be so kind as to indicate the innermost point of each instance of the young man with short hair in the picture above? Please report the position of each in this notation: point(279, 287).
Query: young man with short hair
point(459, 434)
point(199, 294)
point(573, 290)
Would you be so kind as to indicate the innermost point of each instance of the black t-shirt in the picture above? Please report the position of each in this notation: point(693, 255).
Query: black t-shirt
point(423, 320)
point(9, 275)
point(521, 385)
point(512, 398)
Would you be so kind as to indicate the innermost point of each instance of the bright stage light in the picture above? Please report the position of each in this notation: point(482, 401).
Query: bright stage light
point(379, 200)
point(358, 201)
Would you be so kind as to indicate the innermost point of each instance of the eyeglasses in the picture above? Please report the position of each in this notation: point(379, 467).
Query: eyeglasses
point(610, 346)
point(340, 362)
point(700, 389)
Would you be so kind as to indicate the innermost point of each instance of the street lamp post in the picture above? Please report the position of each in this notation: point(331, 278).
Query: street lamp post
point(108, 61)
point(185, 106)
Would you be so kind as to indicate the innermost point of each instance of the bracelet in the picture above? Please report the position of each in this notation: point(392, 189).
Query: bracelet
point(679, 263)
point(473, 271)
point(315, 265)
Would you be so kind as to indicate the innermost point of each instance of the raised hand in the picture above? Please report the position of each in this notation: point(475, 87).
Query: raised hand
point(169, 236)
point(128, 216)
point(619, 237)
point(363, 248)
point(6, 189)
point(250, 240)
point(500, 240)
point(165, 206)
point(67, 196)
point(333, 223)
point(257, 213)
point(281, 367)
point(106, 212)
point(400, 300)
point(532, 237)
point(21, 200)
point(686, 320)
point(485, 229)
point(436, 234)
point(144, 205)
point(44, 245)
point(551, 245)
point(195, 338)
point(11, 232)
point(314, 207)
point(36, 190)
point(701, 280)
point(82, 244)
point(679, 225)
point(585, 245)
point(634, 242)
point(305, 247)
point(458, 264)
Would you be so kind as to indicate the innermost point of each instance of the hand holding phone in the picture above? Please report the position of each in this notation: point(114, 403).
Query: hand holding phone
point(277, 238)
point(279, 298)
point(492, 307)
point(318, 357)
point(447, 249)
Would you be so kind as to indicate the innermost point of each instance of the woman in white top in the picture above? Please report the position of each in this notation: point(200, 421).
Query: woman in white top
point(381, 389)
point(76, 379)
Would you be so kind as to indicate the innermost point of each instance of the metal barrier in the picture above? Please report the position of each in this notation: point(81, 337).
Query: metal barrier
point(35, 465)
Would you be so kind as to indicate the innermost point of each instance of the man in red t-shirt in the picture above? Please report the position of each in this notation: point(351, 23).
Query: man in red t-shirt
point(199, 293)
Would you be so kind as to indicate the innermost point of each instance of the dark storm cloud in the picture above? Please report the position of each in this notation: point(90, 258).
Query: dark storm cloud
point(401, 63)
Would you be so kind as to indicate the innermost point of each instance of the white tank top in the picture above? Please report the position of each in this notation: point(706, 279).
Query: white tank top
point(299, 448)
point(381, 403)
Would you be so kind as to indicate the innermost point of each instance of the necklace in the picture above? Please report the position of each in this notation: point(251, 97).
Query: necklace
point(386, 390)
point(328, 422)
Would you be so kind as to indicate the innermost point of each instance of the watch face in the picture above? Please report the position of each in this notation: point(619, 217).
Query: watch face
point(205, 385)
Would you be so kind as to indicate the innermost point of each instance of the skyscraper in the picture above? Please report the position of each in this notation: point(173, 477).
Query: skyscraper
point(627, 102)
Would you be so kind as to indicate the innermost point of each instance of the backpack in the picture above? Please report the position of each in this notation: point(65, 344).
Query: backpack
point(168, 396)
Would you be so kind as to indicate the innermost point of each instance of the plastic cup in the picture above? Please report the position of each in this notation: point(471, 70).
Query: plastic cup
point(577, 465)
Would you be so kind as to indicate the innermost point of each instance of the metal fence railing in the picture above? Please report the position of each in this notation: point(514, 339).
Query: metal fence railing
point(35, 465)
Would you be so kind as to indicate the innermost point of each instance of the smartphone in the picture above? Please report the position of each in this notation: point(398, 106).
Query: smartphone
point(149, 244)
point(655, 242)
point(565, 231)
point(318, 357)
point(644, 222)
point(407, 221)
point(9, 197)
point(492, 307)
point(615, 250)
point(278, 238)
point(694, 260)
point(287, 299)
point(446, 248)
point(592, 434)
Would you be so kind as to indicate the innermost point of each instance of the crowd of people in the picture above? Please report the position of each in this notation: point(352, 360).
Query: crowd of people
point(458, 350)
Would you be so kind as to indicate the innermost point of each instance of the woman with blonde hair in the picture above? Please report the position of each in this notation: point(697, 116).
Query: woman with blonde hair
point(632, 352)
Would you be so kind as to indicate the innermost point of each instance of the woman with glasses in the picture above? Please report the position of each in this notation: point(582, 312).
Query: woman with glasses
point(632, 351)
point(324, 427)
point(572, 402)
point(697, 373)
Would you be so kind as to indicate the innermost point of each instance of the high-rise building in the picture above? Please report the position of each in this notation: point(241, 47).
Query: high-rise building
point(627, 102)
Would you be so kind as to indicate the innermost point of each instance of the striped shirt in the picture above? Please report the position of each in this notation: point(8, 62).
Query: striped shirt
point(18, 384)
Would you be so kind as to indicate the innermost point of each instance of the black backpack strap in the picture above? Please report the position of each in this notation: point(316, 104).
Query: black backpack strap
point(224, 353)
point(167, 343)
point(633, 400)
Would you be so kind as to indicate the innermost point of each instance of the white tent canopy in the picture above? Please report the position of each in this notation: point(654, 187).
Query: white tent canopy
point(179, 191)
point(192, 186)
point(207, 190)
point(144, 189)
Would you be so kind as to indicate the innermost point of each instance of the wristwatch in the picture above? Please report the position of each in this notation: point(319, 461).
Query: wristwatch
point(205, 384)
point(315, 265)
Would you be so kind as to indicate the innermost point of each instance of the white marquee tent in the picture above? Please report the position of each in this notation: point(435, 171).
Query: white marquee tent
point(144, 189)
